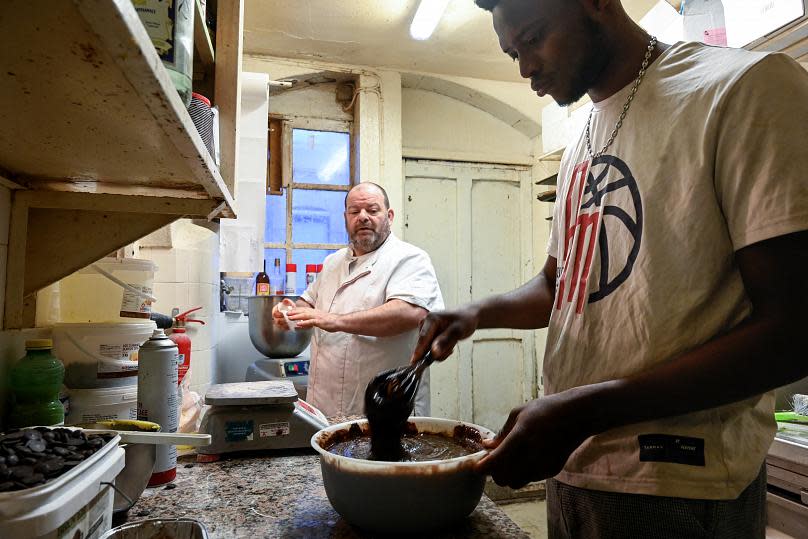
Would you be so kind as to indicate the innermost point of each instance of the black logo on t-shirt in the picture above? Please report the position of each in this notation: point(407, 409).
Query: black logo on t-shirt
point(587, 213)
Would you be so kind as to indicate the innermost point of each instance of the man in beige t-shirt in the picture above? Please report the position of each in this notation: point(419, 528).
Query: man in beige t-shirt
point(673, 291)
point(365, 307)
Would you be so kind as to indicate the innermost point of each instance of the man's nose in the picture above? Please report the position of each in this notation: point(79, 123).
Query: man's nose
point(528, 66)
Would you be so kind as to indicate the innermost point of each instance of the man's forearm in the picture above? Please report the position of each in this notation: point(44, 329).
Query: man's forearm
point(392, 318)
point(755, 357)
point(760, 354)
point(527, 307)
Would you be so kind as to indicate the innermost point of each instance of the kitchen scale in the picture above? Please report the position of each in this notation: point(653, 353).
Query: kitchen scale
point(249, 416)
point(295, 369)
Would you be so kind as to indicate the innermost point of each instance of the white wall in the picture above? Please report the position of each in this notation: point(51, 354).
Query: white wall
point(383, 115)
point(315, 101)
point(242, 245)
point(187, 258)
point(439, 127)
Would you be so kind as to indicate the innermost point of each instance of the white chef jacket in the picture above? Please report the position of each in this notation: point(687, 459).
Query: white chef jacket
point(342, 364)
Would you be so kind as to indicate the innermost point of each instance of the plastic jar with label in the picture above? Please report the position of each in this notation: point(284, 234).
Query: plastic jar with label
point(170, 26)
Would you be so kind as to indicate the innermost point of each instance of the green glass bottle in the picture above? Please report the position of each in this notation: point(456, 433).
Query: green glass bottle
point(35, 383)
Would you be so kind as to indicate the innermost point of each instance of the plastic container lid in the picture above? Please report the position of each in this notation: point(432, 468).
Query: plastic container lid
point(39, 344)
point(319, 268)
point(311, 268)
point(201, 97)
point(105, 328)
point(123, 264)
point(107, 396)
point(291, 267)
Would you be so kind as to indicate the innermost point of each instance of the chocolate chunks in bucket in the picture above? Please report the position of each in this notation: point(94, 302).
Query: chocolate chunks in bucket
point(34, 456)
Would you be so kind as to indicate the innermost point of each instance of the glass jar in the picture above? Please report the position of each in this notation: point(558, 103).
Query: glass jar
point(170, 25)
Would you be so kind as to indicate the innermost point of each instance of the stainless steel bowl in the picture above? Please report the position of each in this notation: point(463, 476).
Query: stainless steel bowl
point(159, 528)
point(401, 497)
point(139, 464)
point(268, 338)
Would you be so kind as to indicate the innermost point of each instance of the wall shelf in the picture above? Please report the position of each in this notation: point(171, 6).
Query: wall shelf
point(555, 155)
point(202, 41)
point(549, 180)
point(95, 136)
point(547, 196)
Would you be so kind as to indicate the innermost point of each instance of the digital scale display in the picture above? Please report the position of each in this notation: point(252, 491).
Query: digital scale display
point(296, 368)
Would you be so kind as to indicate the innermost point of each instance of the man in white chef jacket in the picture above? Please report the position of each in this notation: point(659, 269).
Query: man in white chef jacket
point(365, 306)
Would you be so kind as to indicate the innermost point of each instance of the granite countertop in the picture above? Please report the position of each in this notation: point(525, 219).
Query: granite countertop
point(278, 495)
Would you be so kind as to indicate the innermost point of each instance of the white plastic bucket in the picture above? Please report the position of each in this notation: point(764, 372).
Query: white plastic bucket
point(110, 290)
point(94, 405)
point(76, 504)
point(100, 355)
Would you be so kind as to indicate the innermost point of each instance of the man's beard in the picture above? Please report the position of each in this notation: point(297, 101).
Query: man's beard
point(591, 66)
point(373, 241)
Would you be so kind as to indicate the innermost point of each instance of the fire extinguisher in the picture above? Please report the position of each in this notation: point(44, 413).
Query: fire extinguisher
point(182, 340)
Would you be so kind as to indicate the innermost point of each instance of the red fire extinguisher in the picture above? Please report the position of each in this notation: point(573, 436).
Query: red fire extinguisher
point(182, 340)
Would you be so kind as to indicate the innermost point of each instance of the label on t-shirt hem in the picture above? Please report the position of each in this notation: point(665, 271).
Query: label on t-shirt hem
point(671, 448)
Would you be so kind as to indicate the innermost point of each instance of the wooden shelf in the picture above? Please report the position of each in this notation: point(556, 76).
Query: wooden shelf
point(202, 41)
point(549, 180)
point(95, 140)
point(547, 196)
point(555, 155)
point(85, 99)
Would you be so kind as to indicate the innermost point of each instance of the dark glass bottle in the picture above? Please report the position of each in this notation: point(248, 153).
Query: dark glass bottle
point(262, 282)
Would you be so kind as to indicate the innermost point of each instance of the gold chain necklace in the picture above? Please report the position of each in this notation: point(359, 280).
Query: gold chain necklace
point(626, 106)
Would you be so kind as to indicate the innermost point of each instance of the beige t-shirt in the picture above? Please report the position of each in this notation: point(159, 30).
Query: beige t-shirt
point(708, 161)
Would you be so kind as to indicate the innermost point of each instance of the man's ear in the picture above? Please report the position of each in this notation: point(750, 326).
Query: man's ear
point(390, 214)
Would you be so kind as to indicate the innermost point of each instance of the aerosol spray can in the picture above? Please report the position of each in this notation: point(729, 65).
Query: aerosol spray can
point(157, 398)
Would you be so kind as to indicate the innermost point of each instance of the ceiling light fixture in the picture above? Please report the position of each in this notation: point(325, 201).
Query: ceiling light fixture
point(426, 18)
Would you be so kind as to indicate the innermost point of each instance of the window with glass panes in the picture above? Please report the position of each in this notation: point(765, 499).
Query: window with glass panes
point(305, 223)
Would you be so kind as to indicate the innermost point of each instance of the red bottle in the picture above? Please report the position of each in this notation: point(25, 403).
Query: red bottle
point(183, 342)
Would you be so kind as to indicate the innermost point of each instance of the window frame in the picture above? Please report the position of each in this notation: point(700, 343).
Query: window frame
point(289, 185)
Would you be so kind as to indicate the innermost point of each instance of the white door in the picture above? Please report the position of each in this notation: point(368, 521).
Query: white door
point(475, 222)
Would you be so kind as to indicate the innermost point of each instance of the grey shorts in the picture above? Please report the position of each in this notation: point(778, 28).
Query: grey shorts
point(576, 513)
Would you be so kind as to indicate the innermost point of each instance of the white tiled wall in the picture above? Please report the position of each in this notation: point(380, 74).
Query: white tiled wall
point(188, 277)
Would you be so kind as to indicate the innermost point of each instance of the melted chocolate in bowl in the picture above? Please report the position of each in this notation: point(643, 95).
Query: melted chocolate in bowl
point(408, 499)
point(415, 446)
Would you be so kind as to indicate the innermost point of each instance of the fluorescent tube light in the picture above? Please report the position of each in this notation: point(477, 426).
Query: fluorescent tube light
point(426, 18)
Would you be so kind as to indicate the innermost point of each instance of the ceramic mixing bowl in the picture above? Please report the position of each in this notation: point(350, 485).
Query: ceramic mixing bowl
point(402, 497)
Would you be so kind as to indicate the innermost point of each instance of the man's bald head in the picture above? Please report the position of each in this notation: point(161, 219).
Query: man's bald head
point(364, 186)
